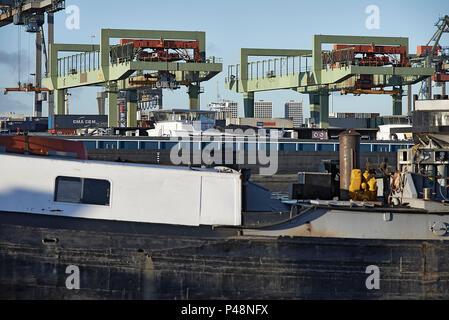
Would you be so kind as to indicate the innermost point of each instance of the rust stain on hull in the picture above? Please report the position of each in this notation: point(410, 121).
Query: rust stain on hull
point(308, 230)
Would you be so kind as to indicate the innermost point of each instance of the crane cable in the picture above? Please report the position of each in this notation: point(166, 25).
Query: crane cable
point(18, 52)
point(28, 58)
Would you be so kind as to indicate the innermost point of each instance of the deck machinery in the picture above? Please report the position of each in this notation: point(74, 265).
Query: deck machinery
point(427, 162)
point(357, 64)
point(144, 60)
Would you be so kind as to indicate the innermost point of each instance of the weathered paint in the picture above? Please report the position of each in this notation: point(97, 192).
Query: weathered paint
point(358, 224)
point(349, 156)
point(117, 265)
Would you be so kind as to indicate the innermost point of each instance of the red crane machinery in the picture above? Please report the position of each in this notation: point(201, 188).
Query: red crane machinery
point(375, 56)
point(160, 50)
point(441, 67)
point(367, 56)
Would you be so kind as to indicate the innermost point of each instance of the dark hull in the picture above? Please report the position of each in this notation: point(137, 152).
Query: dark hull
point(120, 260)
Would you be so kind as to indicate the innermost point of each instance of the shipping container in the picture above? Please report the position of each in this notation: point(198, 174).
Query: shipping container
point(22, 126)
point(80, 121)
point(43, 120)
point(29, 124)
point(348, 123)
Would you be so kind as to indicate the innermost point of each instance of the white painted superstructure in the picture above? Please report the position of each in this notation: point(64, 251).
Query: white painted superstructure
point(384, 132)
point(140, 193)
point(432, 105)
point(175, 129)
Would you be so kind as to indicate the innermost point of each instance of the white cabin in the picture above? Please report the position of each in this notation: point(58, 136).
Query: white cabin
point(118, 191)
point(384, 132)
point(175, 129)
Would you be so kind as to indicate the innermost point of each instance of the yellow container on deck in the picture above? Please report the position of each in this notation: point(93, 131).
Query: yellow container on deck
point(372, 184)
point(356, 180)
point(366, 176)
point(362, 187)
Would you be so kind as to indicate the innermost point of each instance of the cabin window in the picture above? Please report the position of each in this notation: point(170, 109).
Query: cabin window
point(82, 190)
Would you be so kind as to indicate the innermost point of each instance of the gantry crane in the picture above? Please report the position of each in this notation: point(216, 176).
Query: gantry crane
point(31, 15)
point(357, 65)
point(160, 59)
point(437, 56)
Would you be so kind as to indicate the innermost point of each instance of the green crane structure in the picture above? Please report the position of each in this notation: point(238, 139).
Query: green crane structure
point(358, 64)
point(112, 66)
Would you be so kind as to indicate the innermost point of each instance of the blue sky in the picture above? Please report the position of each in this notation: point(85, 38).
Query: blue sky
point(229, 25)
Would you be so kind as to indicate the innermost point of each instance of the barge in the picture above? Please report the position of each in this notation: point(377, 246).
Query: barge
point(135, 231)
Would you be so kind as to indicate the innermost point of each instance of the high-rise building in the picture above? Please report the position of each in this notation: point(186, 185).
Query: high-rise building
point(226, 105)
point(263, 109)
point(293, 110)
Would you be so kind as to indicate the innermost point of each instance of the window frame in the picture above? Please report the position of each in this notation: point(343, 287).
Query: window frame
point(82, 180)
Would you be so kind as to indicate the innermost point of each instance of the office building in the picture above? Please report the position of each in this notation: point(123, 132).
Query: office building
point(263, 109)
point(293, 110)
point(225, 107)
